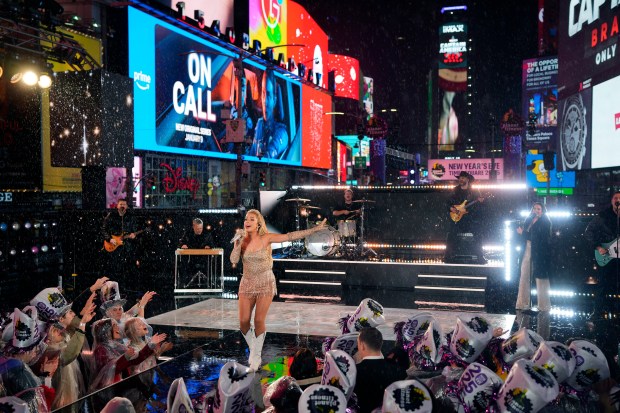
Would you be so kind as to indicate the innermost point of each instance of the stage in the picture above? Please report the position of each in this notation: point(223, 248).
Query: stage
point(424, 284)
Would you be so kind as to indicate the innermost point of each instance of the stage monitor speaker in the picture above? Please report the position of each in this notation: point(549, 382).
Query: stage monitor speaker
point(93, 187)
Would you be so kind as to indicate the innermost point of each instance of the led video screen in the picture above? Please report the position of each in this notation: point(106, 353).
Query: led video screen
point(536, 176)
point(588, 44)
point(540, 100)
point(312, 42)
point(183, 82)
point(317, 127)
point(346, 75)
point(606, 124)
point(575, 132)
point(268, 23)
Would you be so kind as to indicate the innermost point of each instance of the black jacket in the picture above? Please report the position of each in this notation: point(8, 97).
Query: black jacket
point(539, 234)
point(196, 241)
point(602, 229)
point(373, 376)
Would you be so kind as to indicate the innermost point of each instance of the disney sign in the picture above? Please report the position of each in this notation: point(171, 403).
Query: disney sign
point(173, 181)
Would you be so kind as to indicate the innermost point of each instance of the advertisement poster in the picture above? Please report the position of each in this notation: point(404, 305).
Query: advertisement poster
point(317, 128)
point(588, 44)
point(574, 146)
point(606, 124)
point(311, 43)
point(536, 176)
point(540, 101)
point(182, 83)
point(449, 169)
point(346, 75)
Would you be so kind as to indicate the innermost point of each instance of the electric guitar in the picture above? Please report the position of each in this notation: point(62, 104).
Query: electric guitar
point(612, 252)
point(109, 247)
point(461, 209)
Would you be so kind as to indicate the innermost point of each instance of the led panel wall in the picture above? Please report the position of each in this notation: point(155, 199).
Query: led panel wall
point(317, 128)
point(346, 75)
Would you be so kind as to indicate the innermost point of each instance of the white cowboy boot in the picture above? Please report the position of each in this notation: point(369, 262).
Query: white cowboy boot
point(250, 338)
point(256, 352)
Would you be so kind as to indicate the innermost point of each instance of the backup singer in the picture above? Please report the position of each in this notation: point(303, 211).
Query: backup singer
point(258, 284)
point(601, 231)
point(536, 259)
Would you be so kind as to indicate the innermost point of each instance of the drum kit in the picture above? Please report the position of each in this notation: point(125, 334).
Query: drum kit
point(329, 241)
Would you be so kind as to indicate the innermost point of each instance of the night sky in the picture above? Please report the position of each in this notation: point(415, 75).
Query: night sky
point(396, 43)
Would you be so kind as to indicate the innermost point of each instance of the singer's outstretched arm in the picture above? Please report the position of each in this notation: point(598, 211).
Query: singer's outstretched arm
point(291, 236)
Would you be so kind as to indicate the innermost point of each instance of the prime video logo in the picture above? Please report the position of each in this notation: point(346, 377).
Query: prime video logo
point(141, 80)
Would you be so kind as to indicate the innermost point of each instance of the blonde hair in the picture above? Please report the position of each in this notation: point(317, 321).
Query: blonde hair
point(262, 226)
point(132, 331)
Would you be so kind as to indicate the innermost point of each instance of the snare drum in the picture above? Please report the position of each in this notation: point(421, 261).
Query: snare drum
point(347, 228)
point(323, 242)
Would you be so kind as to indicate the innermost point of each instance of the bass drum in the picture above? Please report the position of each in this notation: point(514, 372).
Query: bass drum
point(323, 242)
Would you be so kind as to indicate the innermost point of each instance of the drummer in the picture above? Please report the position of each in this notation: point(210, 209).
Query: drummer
point(346, 211)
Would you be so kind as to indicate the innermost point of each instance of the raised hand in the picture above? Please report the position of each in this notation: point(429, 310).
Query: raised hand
point(100, 281)
point(89, 306)
point(146, 298)
point(158, 338)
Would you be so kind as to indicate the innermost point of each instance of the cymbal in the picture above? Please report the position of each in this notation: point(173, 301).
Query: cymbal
point(364, 200)
point(309, 207)
point(297, 200)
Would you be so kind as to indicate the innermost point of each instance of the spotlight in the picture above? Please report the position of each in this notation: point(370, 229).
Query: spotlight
point(13, 251)
point(15, 226)
point(30, 78)
point(27, 225)
point(44, 248)
point(17, 77)
point(45, 81)
point(34, 249)
point(3, 226)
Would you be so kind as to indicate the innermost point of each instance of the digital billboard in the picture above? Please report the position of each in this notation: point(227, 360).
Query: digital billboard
point(540, 100)
point(588, 44)
point(575, 131)
point(181, 84)
point(452, 45)
point(346, 75)
point(222, 10)
point(367, 97)
point(449, 169)
point(606, 124)
point(313, 42)
point(317, 128)
point(268, 23)
point(536, 176)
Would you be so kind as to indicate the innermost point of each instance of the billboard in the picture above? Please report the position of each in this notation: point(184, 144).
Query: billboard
point(367, 97)
point(317, 128)
point(540, 100)
point(222, 10)
point(181, 84)
point(452, 45)
point(588, 44)
point(449, 169)
point(346, 76)
point(606, 124)
point(536, 176)
point(313, 42)
point(268, 23)
point(575, 131)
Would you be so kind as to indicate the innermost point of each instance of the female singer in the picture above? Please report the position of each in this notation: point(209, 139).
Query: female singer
point(258, 284)
point(536, 259)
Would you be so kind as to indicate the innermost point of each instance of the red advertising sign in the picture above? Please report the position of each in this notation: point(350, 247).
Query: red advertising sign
point(346, 75)
point(174, 181)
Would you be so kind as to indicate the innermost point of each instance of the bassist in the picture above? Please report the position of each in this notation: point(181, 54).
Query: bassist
point(463, 243)
point(600, 232)
point(119, 223)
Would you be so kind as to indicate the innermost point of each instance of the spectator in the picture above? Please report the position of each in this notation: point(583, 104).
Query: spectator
point(304, 368)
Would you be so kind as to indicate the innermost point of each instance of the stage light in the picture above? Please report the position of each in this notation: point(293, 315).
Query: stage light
point(30, 78)
point(44, 248)
point(3, 226)
point(13, 251)
point(34, 249)
point(37, 225)
point(45, 81)
point(16, 226)
point(27, 225)
point(16, 77)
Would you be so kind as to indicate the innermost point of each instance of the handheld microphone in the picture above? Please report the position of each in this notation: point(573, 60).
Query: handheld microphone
point(240, 234)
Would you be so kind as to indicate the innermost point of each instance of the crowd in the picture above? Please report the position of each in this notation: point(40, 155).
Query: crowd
point(49, 361)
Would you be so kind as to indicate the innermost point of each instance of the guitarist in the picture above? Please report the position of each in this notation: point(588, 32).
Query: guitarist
point(603, 229)
point(463, 235)
point(120, 222)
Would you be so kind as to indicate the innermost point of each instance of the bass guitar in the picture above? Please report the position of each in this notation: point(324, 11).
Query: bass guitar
point(612, 253)
point(109, 247)
point(461, 209)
